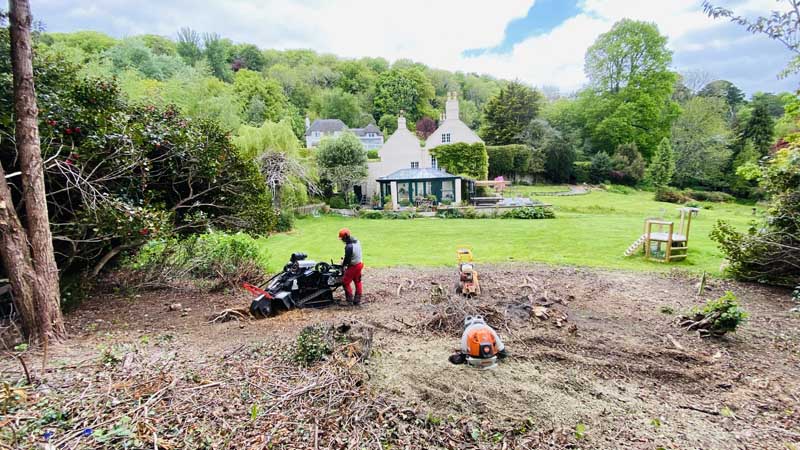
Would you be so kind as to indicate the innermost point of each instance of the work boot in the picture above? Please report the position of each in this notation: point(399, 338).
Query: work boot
point(357, 299)
point(348, 297)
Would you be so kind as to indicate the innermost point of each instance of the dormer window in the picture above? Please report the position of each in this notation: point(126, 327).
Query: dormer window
point(415, 164)
point(433, 162)
point(445, 138)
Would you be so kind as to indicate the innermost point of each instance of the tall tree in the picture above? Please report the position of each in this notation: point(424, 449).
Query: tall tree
point(662, 165)
point(630, 52)
point(630, 100)
point(759, 129)
point(406, 89)
point(27, 252)
point(700, 137)
point(188, 45)
point(338, 104)
point(342, 161)
point(509, 112)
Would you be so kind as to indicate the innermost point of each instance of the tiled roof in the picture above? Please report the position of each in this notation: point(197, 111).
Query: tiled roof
point(326, 126)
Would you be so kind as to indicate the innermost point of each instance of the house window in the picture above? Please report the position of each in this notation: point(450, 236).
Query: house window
point(433, 162)
point(445, 138)
point(415, 164)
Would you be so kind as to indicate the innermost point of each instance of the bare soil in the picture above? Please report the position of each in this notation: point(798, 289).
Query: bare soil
point(616, 368)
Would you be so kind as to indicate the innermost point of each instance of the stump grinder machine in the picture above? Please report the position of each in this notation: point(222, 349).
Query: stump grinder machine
point(467, 284)
point(302, 284)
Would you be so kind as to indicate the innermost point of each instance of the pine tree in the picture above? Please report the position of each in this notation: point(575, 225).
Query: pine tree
point(759, 129)
point(662, 166)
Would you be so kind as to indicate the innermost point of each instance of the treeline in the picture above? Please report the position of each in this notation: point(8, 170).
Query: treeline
point(210, 76)
point(634, 107)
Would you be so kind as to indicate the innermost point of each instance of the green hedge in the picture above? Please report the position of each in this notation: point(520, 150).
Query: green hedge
point(470, 160)
point(581, 171)
point(508, 160)
point(530, 212)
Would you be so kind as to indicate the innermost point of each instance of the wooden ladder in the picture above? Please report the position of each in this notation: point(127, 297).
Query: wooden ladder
point(636, 245)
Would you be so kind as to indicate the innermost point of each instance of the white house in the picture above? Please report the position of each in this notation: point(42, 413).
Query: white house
point(370, 136)
point(407, 171)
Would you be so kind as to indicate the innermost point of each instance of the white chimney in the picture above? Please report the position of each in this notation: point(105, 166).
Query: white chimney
point(451, 107)
point(308, 123)
point(401, 120)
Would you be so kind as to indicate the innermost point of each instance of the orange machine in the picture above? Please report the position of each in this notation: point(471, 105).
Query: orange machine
point(467, 284)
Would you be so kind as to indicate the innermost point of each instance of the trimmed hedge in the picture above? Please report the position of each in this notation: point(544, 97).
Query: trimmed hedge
point(676, 196)
point(529, 212)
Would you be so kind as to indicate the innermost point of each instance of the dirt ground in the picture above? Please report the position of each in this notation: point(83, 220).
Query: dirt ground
point(614, 372)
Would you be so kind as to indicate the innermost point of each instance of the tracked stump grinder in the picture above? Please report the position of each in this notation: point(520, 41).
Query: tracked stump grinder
point(467, 284)
point(301, 284)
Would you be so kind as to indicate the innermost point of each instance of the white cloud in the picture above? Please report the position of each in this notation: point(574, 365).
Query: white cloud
point(435, 32)
point(556, 58)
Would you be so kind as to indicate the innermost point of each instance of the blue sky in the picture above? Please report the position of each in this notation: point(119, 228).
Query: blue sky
point(542, 42)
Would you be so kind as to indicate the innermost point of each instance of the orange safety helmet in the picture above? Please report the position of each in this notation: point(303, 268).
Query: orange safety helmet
point(344, 232)
point(481, 342)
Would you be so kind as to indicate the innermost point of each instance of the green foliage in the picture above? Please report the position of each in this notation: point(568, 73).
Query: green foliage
point(628, 163)
point(600, 168)
point(470, 160)
point(131, 172)
point(665, 194)
point(559, 159)
point(337, 202)
point(630, 98)
point(530, 212)
point(338, 104)
point(403, 89)
point(509, 112)
point(90, 42)
point(727, 313)
point(343, 161)
point(251, 87)
point(373, 155)
point(769, 252)
point(700, 137)
point(581, 171)
point(662, 165)
point(133, 53)
point(312, 345)
point(370, 214)
point(509, 160)
point(388, 124)
point(285, 221)
point(759, 128)
point(229, 259)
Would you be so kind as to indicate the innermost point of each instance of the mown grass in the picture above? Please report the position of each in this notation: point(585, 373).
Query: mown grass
point(589, 230)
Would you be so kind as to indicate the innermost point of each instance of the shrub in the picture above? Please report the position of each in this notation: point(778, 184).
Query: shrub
point(373, 154)
point(229, 259)
point(529, 212)
point(370, 214)
point(469, 213)
point(600, 167)
point(387, 203)
point(312, 345)
point(450, 213)
point(618, 189)
point(337, 202)
point(581, 171)
point(285, 221)
point(401, 215)
point(710, 196)
point(664, 194)
point(404, 203)
point(723, 314)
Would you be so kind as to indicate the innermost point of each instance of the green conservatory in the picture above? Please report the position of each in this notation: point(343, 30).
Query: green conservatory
point(409, 187)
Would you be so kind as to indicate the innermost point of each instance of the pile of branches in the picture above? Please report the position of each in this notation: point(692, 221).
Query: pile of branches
point(447, 316)
point(250, 397)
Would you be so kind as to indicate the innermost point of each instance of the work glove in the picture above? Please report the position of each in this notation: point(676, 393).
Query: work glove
point(502, 354)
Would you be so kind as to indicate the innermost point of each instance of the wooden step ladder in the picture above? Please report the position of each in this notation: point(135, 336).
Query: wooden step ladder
point(636, 245)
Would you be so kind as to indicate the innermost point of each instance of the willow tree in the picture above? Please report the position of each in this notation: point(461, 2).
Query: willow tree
point(27, 249)
point(276, 150)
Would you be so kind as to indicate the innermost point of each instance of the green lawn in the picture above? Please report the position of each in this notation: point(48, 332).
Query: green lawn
point(589, 230)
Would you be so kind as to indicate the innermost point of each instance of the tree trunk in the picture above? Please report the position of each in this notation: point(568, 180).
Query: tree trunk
point(42, 281)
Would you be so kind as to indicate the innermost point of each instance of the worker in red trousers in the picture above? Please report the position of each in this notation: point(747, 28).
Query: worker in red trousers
point(352, 265)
